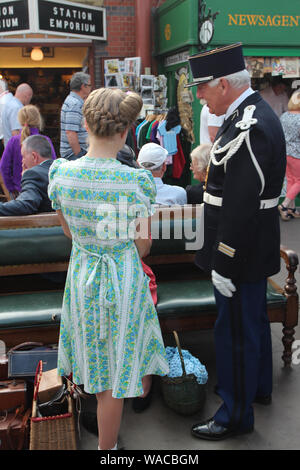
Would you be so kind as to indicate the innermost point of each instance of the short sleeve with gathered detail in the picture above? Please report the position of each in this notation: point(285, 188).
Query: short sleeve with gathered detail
point(146, 193)
point(52, 192)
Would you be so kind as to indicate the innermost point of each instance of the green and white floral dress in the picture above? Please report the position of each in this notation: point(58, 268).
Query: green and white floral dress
point(109, 335)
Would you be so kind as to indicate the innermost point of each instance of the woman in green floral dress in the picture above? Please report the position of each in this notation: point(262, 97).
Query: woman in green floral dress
point(110, 338)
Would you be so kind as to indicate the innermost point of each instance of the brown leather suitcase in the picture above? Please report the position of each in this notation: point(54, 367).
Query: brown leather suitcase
point(14, 429)
point(12, 394)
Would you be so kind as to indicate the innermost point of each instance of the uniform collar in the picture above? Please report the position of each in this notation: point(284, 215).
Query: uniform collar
point(252, 98)
point(238, 101)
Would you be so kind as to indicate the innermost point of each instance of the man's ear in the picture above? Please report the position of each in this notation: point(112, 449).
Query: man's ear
point(224, 84)
point(164, 167)
point(36, 156)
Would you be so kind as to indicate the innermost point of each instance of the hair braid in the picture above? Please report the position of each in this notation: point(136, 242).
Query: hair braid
point(111, 111)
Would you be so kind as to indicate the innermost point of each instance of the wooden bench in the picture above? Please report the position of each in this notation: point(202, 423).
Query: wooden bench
point(36, 244)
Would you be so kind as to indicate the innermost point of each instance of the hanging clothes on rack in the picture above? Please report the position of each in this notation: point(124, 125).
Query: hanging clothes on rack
point(167, 132)
point(153, 137)
point(131, 138)
point(146, 131)
point(178, 160)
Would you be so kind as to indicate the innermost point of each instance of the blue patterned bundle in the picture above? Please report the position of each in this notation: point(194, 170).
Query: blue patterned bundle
point(192, 365)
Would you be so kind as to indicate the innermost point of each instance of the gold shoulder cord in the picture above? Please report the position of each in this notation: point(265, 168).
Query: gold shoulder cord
point(206, 176)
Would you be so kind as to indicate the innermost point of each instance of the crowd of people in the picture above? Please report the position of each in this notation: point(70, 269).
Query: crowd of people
point(110, 339)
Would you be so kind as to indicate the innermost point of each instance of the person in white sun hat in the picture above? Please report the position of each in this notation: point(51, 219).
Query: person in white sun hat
point(153, 157)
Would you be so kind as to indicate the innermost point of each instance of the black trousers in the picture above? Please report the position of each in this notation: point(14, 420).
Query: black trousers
point(243, 353)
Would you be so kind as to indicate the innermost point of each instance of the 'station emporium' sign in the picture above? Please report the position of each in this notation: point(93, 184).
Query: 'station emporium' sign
point(48, 16)
point(71, 19)
point(14, 16)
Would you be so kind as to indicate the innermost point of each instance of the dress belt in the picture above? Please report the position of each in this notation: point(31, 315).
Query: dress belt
point(217, 201)
point(108, 283)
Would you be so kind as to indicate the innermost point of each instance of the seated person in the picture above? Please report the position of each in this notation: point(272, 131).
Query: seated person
point(153, 157)
point(36, 161)
point(200, 159)
point(127, 156)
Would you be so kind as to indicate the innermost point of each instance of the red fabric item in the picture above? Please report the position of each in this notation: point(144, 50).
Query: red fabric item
point(152, 284)
point(178, 160)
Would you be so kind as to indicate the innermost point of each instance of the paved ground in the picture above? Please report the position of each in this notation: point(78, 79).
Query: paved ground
point(276, 426)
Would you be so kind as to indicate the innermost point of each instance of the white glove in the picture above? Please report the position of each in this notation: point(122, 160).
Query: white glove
point(223, 284)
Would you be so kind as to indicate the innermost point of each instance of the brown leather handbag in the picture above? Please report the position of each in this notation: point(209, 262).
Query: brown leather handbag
point(14, 429)
point(13, 393)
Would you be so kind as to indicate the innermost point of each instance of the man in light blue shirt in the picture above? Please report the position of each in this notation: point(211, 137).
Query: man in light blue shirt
point(153, 157)
point(73, 136)
point(10, 122)
point(5, 96)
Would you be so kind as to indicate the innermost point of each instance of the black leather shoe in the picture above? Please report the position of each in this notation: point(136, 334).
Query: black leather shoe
point(263, 400)
point(141, 404)
point(212, 431)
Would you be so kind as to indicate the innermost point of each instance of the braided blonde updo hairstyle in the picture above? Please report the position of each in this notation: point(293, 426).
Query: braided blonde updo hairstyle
point(111, 111)
point(29, 116)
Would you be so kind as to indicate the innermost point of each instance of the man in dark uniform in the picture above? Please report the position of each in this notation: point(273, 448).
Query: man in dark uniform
point(241, 235)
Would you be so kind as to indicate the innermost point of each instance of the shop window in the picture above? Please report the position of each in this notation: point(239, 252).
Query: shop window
point(50, 88)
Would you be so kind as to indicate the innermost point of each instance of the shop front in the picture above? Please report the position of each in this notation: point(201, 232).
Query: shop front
point(270, 36)
point(43, 42)
point(268, 31)
point(176, 38)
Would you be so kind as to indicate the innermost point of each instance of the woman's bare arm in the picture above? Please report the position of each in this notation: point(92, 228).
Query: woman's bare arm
point(64, 224)
point(143, 240)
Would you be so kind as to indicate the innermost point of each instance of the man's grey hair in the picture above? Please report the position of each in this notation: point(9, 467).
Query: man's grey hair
point(39, 144)
point(3, 85)
point(149, 166)
point(78, 79)
point(236, 80)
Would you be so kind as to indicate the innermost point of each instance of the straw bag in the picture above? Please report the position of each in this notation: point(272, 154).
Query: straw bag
point(51, 432)
point(183, 394)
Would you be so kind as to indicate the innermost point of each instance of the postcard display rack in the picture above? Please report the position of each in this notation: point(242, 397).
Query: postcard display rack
point(126, 74)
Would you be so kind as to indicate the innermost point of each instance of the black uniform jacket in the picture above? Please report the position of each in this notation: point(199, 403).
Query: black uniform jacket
point(195, 193)
point(242, 241)
point(33, 197)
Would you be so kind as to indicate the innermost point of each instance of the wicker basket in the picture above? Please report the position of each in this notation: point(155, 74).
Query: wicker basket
point(183, 394)
point(51, 432)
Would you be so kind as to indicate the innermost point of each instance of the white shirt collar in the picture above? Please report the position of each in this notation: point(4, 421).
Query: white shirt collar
point(158, 181)
point(238, 101)
point(4, 93)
